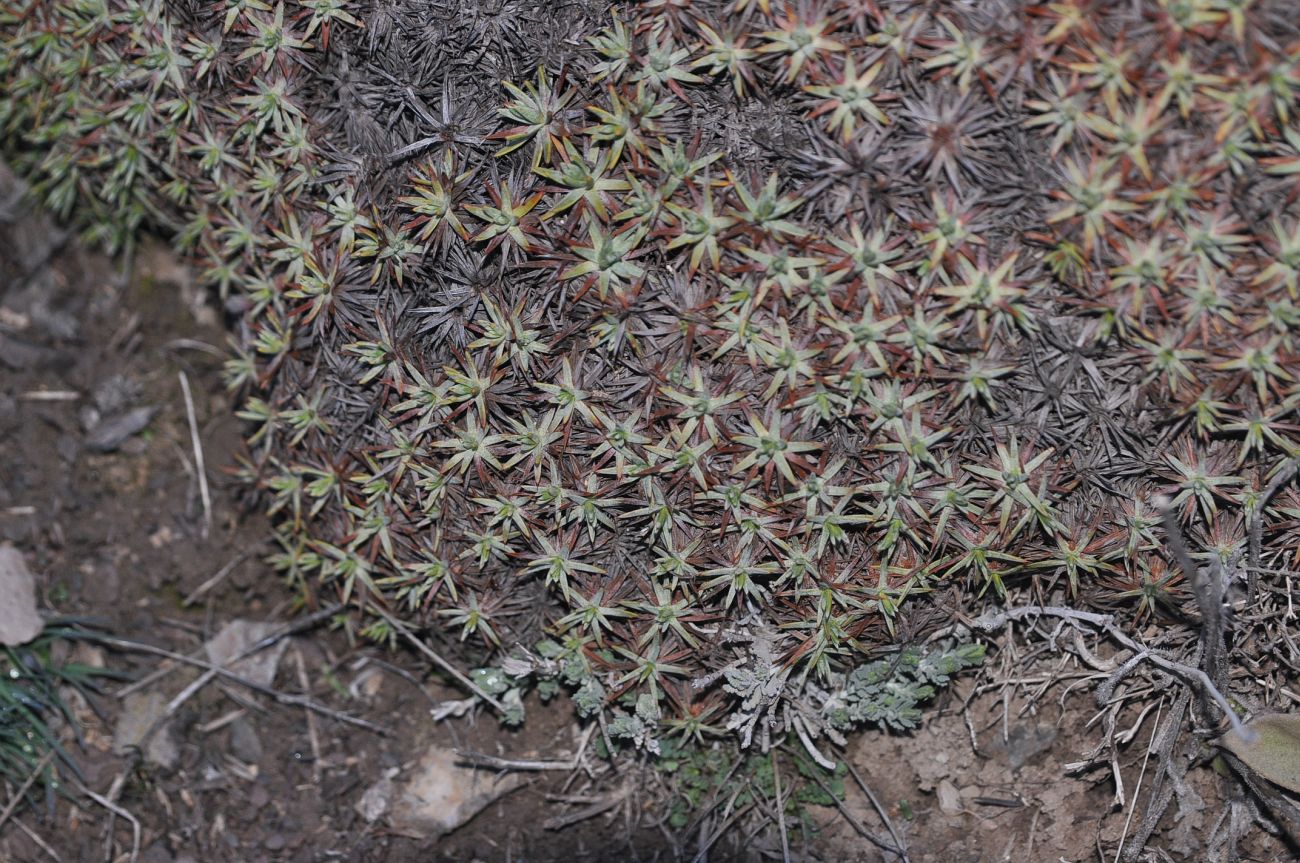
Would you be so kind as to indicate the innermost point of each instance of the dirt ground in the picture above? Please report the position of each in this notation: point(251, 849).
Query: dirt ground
point(123, 536)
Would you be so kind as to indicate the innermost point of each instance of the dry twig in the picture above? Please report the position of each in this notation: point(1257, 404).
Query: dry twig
point(197, 444)
point(480, 759)
point(429, 652)
point(994, 620)
point(119, 812)
point(216, 579)
point(281, 697)
point(1138, 790)
point(780, 808)
point(597, 806)
point(35, 837)
point(274, 638)
point(313, 735)
point(31, 779)
point(900, 844)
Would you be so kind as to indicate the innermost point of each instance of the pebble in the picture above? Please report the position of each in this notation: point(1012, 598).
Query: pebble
point(111, 432)
point(949, 798)
point(20, 621)
point(244, 742)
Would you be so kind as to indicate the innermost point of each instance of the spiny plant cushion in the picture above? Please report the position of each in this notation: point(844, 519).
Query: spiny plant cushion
point(707, 339)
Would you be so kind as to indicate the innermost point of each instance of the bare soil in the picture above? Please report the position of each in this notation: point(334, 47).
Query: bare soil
point(122, 537)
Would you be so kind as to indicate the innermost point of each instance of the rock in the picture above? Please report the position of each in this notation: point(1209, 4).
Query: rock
point(274, 842)
point(112, 432)
point(140, 711)
point(237, 636)
point(244, 742)
point(258, 797)
point(68, 447)
point(156, 853)
point(19, 355)
point(20, 622)
point(374, 804)
point(101, 584)
point(367, 683)
point(438, 796)
point(1025, 741)
point(949, 798)
point(115, 394)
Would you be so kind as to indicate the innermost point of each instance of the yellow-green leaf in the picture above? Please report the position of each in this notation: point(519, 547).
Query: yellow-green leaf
point(1274, 753)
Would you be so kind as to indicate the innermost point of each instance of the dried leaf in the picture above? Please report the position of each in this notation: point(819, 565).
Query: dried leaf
point(1275, 751)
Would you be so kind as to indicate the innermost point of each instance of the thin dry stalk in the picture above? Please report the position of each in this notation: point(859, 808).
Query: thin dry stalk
point(428, 651)
point(274, 638)
point(199, 467)
point(882, 844)
point(49, 396)
point(313, 735)
point(900, 845)
point(597, 807)
point(31, 779)
point(780, 808)
point(1138, 789)
point(281, 697)
point(35, 837)
point(480, 759)
point(1165, 782)
point(118, 812)
point(216, 579)
point(995, 620)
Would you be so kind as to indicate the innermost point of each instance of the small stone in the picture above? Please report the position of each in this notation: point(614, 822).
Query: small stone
point(234, 638)
point(440, 796)
point(374, 804)
point(258, 797)
point(156, 853)
point(162, 536)
point(101, 584)
point(68, 447)
point(367, 683)
point(115, 394)
point(949, 798)
point(140, 711)
point(112, 431)
point(274, 842)
point(18, 355)
point(20, 622)
point(244, 742)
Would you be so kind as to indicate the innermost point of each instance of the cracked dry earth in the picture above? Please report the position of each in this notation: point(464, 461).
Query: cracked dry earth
point(99, 491)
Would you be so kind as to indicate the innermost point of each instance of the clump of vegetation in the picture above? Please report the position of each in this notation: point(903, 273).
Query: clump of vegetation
point(33, 710)
point(886, 693)
point(717, 400)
